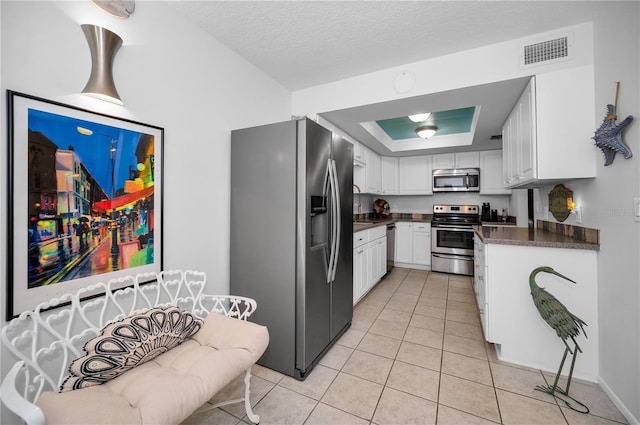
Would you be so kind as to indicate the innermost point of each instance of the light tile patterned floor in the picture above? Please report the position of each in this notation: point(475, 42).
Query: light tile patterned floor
point(415, 354)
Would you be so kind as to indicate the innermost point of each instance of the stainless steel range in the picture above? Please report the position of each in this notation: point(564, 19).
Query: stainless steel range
point(452, 238)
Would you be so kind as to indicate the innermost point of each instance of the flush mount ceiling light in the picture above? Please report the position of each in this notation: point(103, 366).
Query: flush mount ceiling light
point(426, 131)
point(104, 45)
point(420, 117)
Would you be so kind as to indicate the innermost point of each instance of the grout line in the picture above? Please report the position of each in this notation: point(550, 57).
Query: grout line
point(384, 386)
point(446, 304)
point(395, 359)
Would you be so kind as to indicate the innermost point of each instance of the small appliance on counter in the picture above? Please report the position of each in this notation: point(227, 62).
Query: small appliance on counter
point(486, 211)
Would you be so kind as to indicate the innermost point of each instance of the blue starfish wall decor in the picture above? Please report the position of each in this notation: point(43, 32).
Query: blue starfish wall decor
point(609, 136)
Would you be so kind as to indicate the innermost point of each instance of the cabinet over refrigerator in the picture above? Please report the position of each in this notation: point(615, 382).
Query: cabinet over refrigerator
point(292, 237)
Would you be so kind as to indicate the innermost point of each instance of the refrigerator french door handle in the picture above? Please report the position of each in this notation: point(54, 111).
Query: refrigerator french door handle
point(330, 188)
point(337, 220)
point(327, 182)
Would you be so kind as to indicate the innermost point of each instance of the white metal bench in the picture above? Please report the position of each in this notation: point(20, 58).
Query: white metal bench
point(45, 341)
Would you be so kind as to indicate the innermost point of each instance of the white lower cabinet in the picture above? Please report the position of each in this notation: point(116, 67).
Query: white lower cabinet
point(378, 259)
point(413, 245)
point(421, 246)
point(361, 270)
point(404, 243)
point(369, 260)
point(480, 285)
point(511, 320)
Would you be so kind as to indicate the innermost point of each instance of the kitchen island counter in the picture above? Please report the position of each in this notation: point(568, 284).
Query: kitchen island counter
point(522, 236)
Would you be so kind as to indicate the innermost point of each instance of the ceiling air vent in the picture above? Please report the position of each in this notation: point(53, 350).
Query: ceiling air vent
point(546, 51)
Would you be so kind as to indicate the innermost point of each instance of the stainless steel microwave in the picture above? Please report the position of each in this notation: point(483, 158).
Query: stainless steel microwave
point(456, 180)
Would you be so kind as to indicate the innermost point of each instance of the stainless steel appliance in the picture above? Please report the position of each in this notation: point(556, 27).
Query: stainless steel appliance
point(292, 237)
point(391, 245)
point(452, 238)
point(456, 180)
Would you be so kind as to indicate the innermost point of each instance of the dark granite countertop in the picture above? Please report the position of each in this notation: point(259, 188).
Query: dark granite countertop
point(523, 236)
point(364, 223)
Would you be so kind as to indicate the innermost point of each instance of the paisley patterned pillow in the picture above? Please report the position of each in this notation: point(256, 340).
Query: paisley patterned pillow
point(130, 342)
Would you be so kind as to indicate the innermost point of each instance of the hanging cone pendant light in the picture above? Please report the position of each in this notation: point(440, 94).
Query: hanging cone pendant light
point(104, 45)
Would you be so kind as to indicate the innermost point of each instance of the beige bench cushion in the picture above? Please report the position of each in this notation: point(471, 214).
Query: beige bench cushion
point(169, 388)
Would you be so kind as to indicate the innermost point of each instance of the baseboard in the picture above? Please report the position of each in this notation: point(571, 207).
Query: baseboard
point(619, 404)
point(412, 266)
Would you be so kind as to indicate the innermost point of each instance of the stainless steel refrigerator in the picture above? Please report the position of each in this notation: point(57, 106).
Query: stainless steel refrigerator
point(292, 237)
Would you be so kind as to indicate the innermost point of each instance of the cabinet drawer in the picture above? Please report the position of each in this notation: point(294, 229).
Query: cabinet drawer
point(360, 238)
point(377, 232)
point(421, 227)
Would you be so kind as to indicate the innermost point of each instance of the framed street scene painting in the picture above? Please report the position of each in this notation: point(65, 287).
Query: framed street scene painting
point(84, 201)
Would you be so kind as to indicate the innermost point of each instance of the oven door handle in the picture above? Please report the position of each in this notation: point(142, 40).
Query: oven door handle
point(454, 227)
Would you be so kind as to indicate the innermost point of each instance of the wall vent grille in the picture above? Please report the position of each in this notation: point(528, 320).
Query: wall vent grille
point(546, 51)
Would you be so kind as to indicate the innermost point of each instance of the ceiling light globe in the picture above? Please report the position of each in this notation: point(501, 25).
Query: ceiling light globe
point(419, 117)
point(426, 131)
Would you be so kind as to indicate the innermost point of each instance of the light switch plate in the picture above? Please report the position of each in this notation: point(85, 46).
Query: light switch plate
point(636, 209)
point(578, 212)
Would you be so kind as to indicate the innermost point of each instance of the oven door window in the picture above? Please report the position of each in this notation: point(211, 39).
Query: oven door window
point(457, 239)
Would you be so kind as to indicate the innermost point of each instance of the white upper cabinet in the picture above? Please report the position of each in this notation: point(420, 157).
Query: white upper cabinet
point(443, 161)
point(491, 175)
point(467, 160)
point(373, 175)
point(547, 137)
point(389, 175)
point(359, 157)
point(415, 175)
point(456, 160)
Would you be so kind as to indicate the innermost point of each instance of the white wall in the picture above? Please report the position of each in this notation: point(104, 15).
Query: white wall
point(492, 63)
point(169, 74)
point(607, 204)
point(606, 199)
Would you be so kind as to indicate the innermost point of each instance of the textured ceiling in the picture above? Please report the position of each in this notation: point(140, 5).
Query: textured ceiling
point(306, 43)
point(301, 44)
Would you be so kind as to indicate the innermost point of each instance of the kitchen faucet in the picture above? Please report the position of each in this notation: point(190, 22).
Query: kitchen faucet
point(359, 203)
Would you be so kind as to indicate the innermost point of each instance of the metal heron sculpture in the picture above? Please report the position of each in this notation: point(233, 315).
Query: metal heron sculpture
point(566, 325)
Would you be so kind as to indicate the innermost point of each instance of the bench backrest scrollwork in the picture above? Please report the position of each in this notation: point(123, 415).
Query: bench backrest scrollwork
point(46, 340)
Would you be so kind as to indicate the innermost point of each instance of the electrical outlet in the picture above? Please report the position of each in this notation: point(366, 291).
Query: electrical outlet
point(636, 209)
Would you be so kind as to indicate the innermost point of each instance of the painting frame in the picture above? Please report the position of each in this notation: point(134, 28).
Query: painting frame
point(80, 184)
